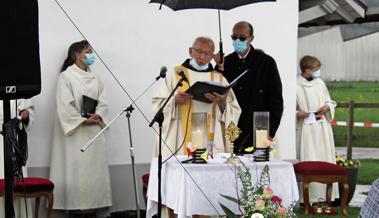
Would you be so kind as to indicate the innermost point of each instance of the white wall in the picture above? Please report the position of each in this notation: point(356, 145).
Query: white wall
point(350, 60)
point(135, 39)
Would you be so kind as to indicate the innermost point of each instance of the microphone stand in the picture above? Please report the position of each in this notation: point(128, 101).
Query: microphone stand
point(128, 112)
point(159, 118)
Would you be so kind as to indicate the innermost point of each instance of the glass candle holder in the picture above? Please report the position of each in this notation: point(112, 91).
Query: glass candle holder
point(261, 129)
point(199, 130)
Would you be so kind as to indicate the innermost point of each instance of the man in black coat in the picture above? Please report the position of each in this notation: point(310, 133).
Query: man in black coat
point(259, 90)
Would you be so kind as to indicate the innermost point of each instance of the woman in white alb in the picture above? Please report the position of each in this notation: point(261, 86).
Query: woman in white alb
point(82, 180)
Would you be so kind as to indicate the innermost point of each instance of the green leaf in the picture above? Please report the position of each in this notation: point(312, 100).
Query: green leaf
point(235, 200)
point(227, 211)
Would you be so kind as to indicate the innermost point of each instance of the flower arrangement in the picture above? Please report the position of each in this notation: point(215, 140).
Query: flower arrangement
point(257, 201)
point(343, 162)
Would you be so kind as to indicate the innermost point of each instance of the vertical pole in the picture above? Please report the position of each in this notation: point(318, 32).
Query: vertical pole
point(128, 111)
point(160, 172)
point(8, 168)
point(350, 126)
point(220, 42)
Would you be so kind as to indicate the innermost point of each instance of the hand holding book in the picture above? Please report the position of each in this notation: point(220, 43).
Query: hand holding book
point(200, 89)
point(88, 106)
point(220, 99)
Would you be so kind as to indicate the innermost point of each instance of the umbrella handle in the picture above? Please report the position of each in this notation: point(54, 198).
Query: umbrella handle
point(221, 53)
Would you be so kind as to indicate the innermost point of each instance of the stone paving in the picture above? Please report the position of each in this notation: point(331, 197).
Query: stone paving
point(360, 193)
point(360, 153)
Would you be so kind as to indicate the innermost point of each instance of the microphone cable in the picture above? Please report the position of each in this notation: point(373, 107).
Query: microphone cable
point(184, 138)
point(16, 139)
point(134, 103)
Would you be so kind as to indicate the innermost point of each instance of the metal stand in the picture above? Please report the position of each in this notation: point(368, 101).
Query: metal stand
point(128, 111)
point(8, 171)
point(159, 118)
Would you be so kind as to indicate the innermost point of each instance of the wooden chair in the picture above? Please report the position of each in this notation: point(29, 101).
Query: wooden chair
point(33, 187)
point(145, 182)
point(326, 173)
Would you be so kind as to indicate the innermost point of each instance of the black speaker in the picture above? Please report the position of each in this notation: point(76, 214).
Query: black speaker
point(20, 68)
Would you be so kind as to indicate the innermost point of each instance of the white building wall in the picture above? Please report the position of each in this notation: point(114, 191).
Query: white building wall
point(350, 60)
point(135, 39)
point(327, 46)
point(362, 55)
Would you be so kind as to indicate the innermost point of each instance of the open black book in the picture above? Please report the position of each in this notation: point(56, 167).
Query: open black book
point(88, 106)
point(199, 89)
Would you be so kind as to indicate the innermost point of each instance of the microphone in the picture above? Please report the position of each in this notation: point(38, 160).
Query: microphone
point(162, 73)
point(181, 73)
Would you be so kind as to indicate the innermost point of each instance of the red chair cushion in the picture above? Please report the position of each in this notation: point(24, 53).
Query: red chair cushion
point(319, 168)
point(145, 178)
point(31, 184)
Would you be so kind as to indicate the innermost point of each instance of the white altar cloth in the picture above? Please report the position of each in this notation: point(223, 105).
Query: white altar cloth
point(180, 193)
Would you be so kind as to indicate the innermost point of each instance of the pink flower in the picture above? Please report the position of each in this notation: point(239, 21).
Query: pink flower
point(276, 199)
point(281, 210)
point(260, 205)
point(267, 193)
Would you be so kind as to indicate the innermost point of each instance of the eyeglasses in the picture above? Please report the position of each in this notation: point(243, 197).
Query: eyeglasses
point(201, 52)
point(242, 38)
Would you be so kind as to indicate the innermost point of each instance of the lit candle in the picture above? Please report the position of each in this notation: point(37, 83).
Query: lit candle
point(198, 139)
point(261, 138)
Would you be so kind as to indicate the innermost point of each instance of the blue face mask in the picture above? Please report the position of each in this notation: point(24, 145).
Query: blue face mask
point(90, 58)
point(316, 74)
point(194, 64)
point(240, 46)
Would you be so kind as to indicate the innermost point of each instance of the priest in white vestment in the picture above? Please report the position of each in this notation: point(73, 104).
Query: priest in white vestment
point(315, 109)
point(82, 179)
point(223, 109)
point(24, 110)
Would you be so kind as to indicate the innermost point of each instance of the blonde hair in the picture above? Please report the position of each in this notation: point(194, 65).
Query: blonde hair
point(309, 62)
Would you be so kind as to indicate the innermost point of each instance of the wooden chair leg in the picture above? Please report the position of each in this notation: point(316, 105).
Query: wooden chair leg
point(329, 188)
point(50, 199)
point(344, 199)
point(144, 191)
point(36, 207)
point(306, 197)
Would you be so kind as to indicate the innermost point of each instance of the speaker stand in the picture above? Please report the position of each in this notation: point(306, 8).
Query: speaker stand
point(8, 166)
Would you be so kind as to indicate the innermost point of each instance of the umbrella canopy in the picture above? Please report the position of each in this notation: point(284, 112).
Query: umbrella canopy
point(210, 4)
point(177, 5)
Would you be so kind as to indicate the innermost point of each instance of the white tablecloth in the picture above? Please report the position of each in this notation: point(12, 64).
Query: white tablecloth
point(180, 192)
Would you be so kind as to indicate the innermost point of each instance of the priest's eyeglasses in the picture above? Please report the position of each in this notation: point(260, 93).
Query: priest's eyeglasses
point(201, 52)
point(241, 38)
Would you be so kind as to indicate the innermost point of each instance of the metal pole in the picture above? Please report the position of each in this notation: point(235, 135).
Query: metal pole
point(350, 126)
point(8, 170)
point(128, 111)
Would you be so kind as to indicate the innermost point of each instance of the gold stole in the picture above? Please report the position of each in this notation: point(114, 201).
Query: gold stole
point(186, 111)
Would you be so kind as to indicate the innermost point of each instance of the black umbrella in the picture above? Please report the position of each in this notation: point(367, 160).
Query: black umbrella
point(177, 5)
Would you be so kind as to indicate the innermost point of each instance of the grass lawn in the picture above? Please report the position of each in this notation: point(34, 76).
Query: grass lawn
point(352, 212)
point(360, 92)
point(368, 171)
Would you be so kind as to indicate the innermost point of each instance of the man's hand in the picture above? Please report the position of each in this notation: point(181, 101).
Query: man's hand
point(219, 99)
point(217, 59)
point(322, 110)
point(302, 114)
point(24, 114)
point(182, 97)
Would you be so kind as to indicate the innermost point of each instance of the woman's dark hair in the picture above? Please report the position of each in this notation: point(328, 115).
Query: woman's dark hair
point(76, 47)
